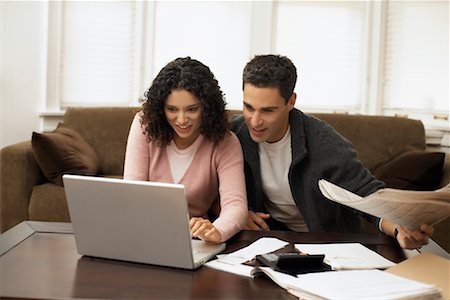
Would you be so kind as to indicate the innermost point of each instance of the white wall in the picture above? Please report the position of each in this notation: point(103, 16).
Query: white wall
point(23, 68)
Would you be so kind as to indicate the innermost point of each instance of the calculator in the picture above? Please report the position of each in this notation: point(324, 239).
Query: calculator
point(294, 262)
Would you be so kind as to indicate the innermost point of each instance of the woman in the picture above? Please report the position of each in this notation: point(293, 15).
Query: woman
point(181, 135)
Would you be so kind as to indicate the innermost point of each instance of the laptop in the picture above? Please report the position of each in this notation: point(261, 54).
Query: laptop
point(136, 221)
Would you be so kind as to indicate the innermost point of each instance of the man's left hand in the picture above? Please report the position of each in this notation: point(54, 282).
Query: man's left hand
point(409, 239)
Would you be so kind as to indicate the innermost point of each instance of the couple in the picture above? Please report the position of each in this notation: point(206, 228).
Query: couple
point(182, 135)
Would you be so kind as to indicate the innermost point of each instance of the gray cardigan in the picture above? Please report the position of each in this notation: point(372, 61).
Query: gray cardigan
point(318, 151)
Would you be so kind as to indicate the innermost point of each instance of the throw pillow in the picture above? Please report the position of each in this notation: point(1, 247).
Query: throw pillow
point(413, 170)
point(63, 151)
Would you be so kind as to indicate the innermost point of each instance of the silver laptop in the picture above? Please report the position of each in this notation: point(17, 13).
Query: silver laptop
point(138, 221)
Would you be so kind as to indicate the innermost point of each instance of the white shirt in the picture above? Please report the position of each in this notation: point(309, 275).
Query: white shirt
point(180, 159)
point(275, 159)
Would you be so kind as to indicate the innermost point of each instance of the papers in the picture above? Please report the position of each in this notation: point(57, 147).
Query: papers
point(432, 247)
point(344, 284)
point(359, 284)
point(238, 269)
point(260, 246)
point(232, 262)
point(344, 256)
point(407, 208)
point(427, 268)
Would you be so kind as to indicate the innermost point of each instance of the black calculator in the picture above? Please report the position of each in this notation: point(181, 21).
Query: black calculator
point(294, 262)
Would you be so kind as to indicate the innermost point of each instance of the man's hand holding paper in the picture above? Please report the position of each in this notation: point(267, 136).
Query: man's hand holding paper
point(408, 216)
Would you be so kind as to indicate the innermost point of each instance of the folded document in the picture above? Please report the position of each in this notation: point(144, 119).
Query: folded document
point(407, 208)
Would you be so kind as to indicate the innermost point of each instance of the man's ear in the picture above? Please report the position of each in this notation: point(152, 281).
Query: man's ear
point(291, 101)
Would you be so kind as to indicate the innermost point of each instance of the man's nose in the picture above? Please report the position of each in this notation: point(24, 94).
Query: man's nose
point(256, 119)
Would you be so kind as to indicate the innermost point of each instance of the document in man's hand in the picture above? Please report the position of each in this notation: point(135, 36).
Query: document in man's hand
point(404, 207)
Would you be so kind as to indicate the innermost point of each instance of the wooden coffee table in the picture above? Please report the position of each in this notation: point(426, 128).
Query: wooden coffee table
point(38, 260)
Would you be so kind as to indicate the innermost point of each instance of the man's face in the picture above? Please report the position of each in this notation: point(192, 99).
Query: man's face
point(266, 113)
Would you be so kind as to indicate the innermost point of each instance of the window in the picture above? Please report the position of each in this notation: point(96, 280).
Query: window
point(108, 52)
point(216, 33)
point(369, 57)
point(325, 40)
point(98, 52)
point(416, 65)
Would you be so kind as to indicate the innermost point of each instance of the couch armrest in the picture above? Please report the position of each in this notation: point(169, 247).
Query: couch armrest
point(446, 171)
point(19, 172)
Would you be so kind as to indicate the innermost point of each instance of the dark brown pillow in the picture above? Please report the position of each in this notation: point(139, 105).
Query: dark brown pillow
point(413, 170)
point(63, 151)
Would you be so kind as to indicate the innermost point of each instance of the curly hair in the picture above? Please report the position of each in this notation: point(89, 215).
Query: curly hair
point(271, 71)
point(193, 76)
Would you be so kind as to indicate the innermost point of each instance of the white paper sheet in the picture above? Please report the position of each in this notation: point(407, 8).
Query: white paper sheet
point(260, 246)
point(360, 284)
point(407, 208)
point(341, 256)
point(232, 262)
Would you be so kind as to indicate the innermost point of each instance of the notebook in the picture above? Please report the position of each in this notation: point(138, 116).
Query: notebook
point(137, 221)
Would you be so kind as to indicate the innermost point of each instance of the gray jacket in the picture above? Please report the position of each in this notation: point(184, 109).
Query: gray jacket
point(318, 151)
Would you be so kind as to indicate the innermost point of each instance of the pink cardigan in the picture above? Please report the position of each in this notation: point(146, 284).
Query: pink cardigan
point(215, 170)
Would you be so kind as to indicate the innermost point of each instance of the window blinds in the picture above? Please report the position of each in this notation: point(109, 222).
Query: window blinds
point(215, 32)
point(416, 74)
point(325, 40)
point(97, 53)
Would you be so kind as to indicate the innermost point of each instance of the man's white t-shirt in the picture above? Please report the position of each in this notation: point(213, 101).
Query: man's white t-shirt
point(275, 159)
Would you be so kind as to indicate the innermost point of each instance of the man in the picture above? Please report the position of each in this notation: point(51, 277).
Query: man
point(286, 153)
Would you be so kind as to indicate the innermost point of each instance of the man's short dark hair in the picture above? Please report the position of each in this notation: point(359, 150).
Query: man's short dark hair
point(271, 71)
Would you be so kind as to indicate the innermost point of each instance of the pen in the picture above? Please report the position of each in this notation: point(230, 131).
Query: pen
point(395, 237)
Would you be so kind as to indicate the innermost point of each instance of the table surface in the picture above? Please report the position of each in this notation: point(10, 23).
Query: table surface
point(39, 260)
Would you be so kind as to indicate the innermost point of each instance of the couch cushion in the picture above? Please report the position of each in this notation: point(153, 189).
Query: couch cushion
point(48, 203)
point(413, 170)
point(63, 151)
point(105, 129)
point(378, 139)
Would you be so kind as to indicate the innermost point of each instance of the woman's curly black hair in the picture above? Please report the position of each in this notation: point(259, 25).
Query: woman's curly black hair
point(193, 76)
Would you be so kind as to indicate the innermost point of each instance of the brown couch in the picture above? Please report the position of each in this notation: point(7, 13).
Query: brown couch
point(26, 194)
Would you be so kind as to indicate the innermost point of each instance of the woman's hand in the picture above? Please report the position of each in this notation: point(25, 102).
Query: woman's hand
point(204, 230)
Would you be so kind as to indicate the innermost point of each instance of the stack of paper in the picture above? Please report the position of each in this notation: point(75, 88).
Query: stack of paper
point(346, 284)
point(347, 256)
point(359, 284)
point(427, 268)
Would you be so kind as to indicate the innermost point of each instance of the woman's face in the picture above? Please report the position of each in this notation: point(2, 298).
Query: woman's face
point(183, 111)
